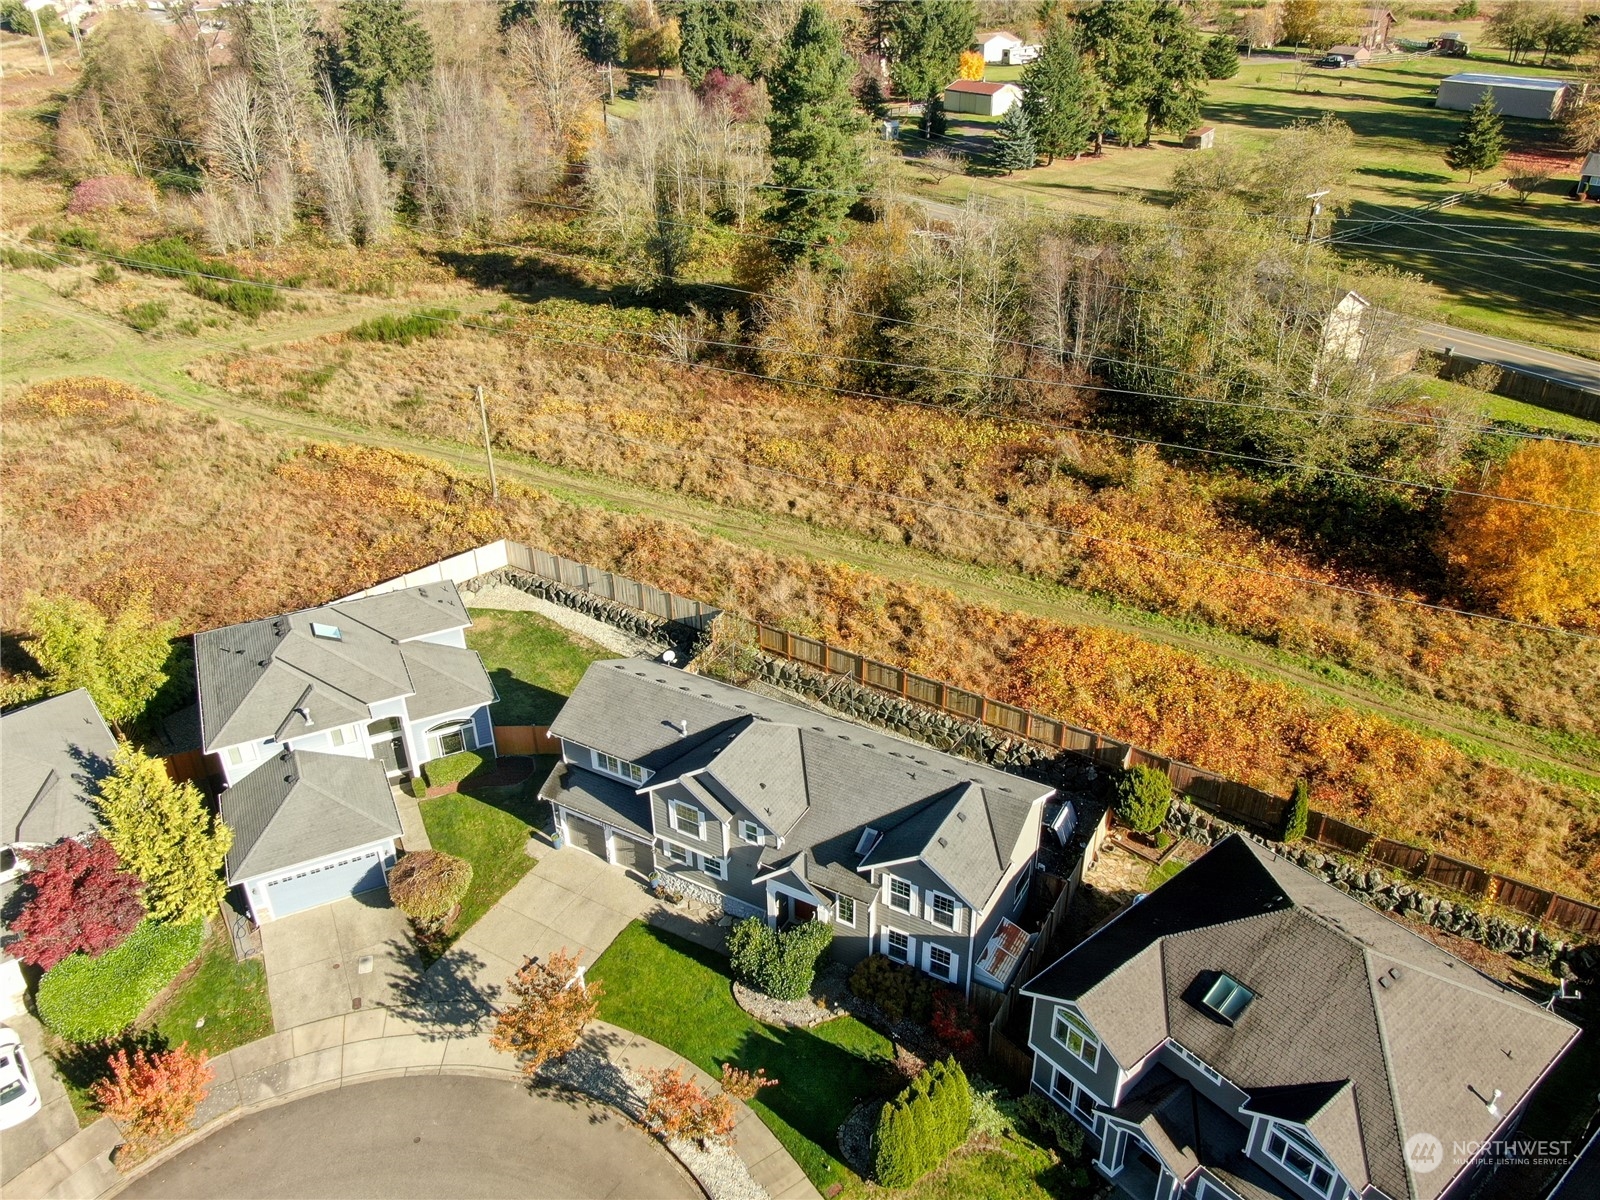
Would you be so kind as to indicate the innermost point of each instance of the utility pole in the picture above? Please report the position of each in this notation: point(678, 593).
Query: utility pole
point(1311, 220)
point(488, 449)
point(44, 47)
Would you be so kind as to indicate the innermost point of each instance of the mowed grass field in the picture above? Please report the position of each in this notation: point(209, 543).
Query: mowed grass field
point(1525, 271)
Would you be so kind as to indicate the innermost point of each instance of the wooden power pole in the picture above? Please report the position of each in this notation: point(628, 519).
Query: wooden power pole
point(488, 448)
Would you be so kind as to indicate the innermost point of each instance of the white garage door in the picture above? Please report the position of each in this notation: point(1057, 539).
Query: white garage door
point(323, 885)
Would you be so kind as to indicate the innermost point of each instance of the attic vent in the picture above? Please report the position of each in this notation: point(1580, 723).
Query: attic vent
point(961, 814)
point(818, 729)
point(331, 632)
point(1389, 978)
point(1228, 998)
point(869, 745)
point(1005, 789)
point(944, 843)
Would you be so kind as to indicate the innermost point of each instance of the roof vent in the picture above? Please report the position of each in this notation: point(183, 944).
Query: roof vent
point(944, 843)
point(844, 737)
point(961, 814)
point(947, 770)
point(330, 632)
point(1228, 998)
point(683, 729)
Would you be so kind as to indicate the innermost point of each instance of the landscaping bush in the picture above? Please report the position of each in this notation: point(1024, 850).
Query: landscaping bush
point(954, 1023)
point(780, 965)
point(425, 323)
point(922, 1125)
point(427, 885)
point(152, 1097)
point(87, 999)
point(454, 768)
point(145, 317)
point(1143, 797)
point(901, 992)
point(549, 1007)
point(1297, 814)
point(1051, 1121)
point(745, 1085)
point(210, 279)
point(678, 1109)
point(83, 902)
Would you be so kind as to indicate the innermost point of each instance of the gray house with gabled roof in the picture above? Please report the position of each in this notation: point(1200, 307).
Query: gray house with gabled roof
point(1249, 1031)
point(53, 754)
point(770, 809)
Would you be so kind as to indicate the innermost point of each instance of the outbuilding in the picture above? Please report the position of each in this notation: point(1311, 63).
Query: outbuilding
point(980, 98)
point(997, 45)
point(1589, 179)
point(309, 829)
point(1514, 95)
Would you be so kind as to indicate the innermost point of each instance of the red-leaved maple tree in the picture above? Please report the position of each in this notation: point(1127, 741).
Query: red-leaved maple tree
point(83, 901)
point(677, 1108)
point(153, 1096)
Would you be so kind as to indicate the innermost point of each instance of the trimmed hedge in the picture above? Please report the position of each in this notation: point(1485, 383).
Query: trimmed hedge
point(454, 768)
point(87, 999)
point(919, 1128)
point(902, 992)
point(781, 965)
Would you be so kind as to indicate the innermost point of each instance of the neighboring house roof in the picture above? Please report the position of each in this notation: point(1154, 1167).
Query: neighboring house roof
point(986, 35)
point(1364, 1031)
point(303, 806)
point(54, 752)
point(282, 677)
point(1591, 164)
point(813, 780)
point(978, 87)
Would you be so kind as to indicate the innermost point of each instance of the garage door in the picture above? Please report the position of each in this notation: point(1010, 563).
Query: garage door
point(634, 855)
point(323, 885)
point(586, 835)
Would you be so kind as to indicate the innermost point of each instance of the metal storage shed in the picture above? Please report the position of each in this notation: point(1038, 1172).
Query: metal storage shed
point(1514, 95)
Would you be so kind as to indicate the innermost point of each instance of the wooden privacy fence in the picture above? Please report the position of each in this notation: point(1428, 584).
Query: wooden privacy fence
point(525, 739)
point(1234, 801)
point(608, 585)
point(189, 766)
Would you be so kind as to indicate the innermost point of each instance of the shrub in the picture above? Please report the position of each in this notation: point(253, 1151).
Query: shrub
point(994, 1115)
point(152, 1096)
point(210, 279)
point(550, 1007)
point(18, 260)
point(1051, 1121)
point(678, 1109)
point(83, 903)
point(427, 885)
point(145, 317)
point(108, 193)
point(901, 992)
point(745, 1085)
point(426, 323)
point(453, 768)
point(922, 1125)
point(780, 965)
point(1143, 797)
point(87, 999)
point(954, 1023)
point(1298, 812)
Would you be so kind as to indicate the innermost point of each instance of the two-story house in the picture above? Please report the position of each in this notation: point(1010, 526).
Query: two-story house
point(770, 809)
point(1249, 1031)
point(313, 715)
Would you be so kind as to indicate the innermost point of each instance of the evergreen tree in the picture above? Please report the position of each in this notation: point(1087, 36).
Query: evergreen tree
point(1061, 97)
point(598, 25)
point(1118, 38)
point(1481, 143)
point(1178, 76)
point(1221, 57)
point(716, 35)
point(381, 46)
point(121, 662)
point(935, 124)
point(1297, 814)
point(815, 136)
point(925, 39)
point(1014, 148)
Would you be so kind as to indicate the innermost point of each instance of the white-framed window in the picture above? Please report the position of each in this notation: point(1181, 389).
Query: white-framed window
point(898, 945)
point(340, 736)
point(621, 768)
point(940, 962)
point(1210, 1189)
point(1072, 1033)
point(941, 909)
point(844, 910)
point(453, 737)
point(1300, 1157)
point(717, 868)
point(686, 818)
point(749, 831)
point(1072, 1096)
point(901, 894)
point(676, 853)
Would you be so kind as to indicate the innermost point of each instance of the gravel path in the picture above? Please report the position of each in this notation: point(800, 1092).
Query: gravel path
point(499, 595)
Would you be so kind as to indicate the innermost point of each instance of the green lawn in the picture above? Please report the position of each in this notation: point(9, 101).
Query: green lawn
point(678, 994)
point(1159, 875)
point(1503, 408)
point(533, 663)
point(230, 996)
point(487, 826)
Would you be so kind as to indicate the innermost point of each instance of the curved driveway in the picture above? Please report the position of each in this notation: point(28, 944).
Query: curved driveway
point(422, 1137)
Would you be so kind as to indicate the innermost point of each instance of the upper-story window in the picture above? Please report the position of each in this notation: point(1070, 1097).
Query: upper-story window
point(941, 910)
point(902, 895)
point(686, 818)
point(1072, 1033)
point(621, 768)
point(749, 831)
point(1300, 1156)
point(844, 908)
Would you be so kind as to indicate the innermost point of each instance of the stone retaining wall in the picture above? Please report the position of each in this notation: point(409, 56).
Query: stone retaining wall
point(640, 625)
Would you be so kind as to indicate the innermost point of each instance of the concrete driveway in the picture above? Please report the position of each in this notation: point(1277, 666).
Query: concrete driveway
point(53, 1125)
point(446, 1136)
point(317, 961)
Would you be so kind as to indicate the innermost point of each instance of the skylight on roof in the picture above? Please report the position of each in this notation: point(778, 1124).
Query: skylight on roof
point(1228, 998)
point(331, 632)
point(868, 839)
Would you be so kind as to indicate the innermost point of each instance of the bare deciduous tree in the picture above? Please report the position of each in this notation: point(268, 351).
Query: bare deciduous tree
point(234, 129)
point(562, 86)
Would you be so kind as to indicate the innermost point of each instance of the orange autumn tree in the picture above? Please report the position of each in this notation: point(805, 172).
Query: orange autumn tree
point(971, 65)
point(1533, 563)
point(678, 1109)
point(550, 1006)
point(152, 1096)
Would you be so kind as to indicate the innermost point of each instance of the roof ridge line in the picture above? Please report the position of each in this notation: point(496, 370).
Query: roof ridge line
point(1391, 1085)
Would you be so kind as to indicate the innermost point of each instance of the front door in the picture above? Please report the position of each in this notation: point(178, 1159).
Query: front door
point(389, 745)
point(801, 910)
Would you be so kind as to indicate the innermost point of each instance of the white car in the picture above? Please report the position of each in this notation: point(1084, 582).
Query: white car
point(19, 1091)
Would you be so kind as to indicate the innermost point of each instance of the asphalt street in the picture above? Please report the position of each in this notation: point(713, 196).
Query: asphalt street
point(423, 1137)
point(1532, 360)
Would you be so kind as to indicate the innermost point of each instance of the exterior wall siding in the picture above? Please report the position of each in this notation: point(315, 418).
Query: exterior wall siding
point(255, 887)
point(712, 840)
point(916, 922)
point(1101, 1079)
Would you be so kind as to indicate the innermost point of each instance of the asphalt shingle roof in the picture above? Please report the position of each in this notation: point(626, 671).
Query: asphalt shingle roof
point(812, 778)
point(1343, 996)
point(259, 679)
point(53, 753)
point(303, 805)
point(599, 797)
